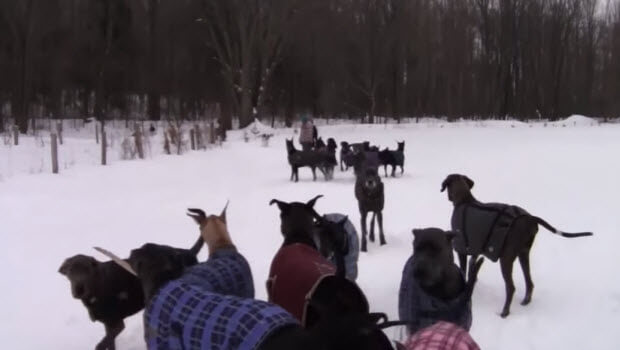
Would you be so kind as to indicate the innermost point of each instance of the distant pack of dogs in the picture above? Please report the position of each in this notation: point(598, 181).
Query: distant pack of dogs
point(313, 301)
point(358, 156)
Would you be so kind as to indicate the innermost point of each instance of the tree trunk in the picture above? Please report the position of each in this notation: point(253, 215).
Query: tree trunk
point(154, 94)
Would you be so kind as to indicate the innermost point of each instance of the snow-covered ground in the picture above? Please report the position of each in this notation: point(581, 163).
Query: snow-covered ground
point(566, 172)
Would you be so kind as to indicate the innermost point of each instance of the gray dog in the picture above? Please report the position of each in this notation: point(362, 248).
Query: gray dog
point(499, 231)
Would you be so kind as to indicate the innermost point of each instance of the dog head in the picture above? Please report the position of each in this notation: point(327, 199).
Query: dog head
point(432, 255)
point(296, 218)
point(82, 272)
point(370, 179)
point(290, 147)
point(401, 146)
point(458, 187)
point(355, 330)
point(156, 265)
point(213, 228)
point(333, 236)
point(331, 144)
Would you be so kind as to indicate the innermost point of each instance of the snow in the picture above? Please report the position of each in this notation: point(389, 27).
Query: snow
point(567, 175)
point(576, 120)
point(257, 129)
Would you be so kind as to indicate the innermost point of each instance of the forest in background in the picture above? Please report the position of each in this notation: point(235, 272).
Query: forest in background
point(241, 59)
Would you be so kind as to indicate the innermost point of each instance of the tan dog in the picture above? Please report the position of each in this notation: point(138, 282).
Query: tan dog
point(213, 229)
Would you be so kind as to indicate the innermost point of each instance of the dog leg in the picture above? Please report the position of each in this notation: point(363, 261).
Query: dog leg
point(292, 173)
point(524, 260)
point(463, 262)
point(372, 227)
point(393, 170)
point(111, 332)
point(506, 265)
point(313, 174)
point(296, 174)
point(381, 236)
point(385, 170)
point(363, 225)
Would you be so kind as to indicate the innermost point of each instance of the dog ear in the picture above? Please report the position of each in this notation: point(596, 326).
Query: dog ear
point(444, 184)
point(282, 205)
point(312, 202)
point(197, 214)
point(343, 221)
point(64, 268)
point(415, 232)
point(469, 181)
point(223, 214)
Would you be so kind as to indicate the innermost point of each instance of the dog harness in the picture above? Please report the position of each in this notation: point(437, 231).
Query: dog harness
point(194, 312)
point(481, 228)
point(423, 310)
point(295, 272)
point(350, 260)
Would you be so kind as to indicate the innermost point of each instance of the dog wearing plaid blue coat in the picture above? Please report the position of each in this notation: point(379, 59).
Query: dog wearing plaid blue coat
point(186, 307)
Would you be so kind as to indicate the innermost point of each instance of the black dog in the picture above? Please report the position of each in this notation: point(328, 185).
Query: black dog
point(499, 231)
point(327, 154)
point(432, 287)
point(109, 293)
point(393, 159)
point(370, 198)
point(347, 159)
point(299, 159)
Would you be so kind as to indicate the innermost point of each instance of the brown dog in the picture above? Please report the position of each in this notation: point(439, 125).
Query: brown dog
point(499, 231)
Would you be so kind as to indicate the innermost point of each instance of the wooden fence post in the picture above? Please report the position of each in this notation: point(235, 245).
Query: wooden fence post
point(138, 136)
point(54, 153)
point(103, 148)
point(59, 131)
point(192, 138)
point(15, 135)
point(212, 131)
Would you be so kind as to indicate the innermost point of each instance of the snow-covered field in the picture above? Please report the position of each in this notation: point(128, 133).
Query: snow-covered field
point(568, 175)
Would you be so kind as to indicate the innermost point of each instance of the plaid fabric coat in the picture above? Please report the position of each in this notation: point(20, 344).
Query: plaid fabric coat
point(195, 312)
point(481, 228)
point(423, 310)
point(441, 336)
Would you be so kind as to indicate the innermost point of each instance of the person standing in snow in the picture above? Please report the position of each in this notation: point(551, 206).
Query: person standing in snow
point(308, 134)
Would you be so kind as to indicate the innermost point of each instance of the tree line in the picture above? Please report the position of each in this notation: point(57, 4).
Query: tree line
point(178, 59)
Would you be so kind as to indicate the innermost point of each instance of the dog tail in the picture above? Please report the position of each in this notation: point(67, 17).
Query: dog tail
point(195, 249)
point(558, 232)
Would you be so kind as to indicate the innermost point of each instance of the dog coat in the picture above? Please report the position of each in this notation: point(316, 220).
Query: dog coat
point(350, 260)
point(481, 228)
point(423, 310)
point(295, 272)
point(441, 336)
point(226, 272)
point(194, 312)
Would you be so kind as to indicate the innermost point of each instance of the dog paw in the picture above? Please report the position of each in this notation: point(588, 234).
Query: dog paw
point(526, 301)
point(504, 314)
